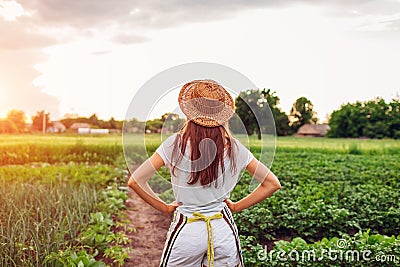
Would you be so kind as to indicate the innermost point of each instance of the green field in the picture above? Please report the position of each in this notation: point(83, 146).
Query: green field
point(283, 142)
point(331, 188)
point(61, 201)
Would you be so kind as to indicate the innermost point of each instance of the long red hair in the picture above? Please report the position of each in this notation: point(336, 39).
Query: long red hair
point(204, 168)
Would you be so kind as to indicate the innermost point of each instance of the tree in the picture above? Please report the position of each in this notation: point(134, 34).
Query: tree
point(374, 119)
point(236, 126)
point(7, 126)
point(112, 123)
point(17, 118)
point(172, 122)
point(249, 104)
point(154, 125)
point(37, 120)
point(261, 104)
point(302, 112)
point(281, 122)
point(93, 120)
point(69, 121)
point(169, 116)
point(348, 121)
point(134, 123)
point(394, 118)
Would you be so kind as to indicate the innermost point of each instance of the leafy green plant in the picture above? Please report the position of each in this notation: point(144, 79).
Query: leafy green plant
point(361, 249)
point(70, 258)
point(95, 235)
point(117, 253)
point(101, 231)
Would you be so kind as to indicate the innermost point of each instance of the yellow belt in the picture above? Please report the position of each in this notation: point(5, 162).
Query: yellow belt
point(210, 243)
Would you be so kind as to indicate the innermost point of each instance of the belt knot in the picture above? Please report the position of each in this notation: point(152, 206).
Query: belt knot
point(197, 216)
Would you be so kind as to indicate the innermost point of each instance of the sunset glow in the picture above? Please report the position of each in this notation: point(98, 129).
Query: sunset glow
point(2, 101)
point(10, 10)
point(95, 60)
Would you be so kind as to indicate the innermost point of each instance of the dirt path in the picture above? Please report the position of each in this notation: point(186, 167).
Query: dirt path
point(151, 226)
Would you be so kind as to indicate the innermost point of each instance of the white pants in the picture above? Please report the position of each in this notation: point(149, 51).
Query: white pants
point(186, 244)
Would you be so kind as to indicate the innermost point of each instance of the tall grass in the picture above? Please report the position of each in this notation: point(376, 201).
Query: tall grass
point(39, 217)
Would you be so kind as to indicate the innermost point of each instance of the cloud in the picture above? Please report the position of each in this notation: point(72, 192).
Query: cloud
point(100, 53)
point(89, 13)
point(43, 23)
point(380, 23)
point(20, 50)
point(17, 35)
point(129, 39)
point(128, 18)
point(374, 17)
point(16, 76)
point(158, 13)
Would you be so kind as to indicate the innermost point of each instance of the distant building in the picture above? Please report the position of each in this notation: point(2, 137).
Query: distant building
point(56, 127)
point(114, 131)
point(313, 130)
point(83, 130)
point(77, 125)
point(99, 131)
point(133, 129)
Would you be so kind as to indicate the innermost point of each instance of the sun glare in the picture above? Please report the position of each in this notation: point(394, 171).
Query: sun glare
point(2, 102)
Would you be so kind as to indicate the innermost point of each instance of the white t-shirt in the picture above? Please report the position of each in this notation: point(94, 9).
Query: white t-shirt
point(204, 199)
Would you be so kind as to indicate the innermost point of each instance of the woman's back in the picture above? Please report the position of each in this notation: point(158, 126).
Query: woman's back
point(207, 199)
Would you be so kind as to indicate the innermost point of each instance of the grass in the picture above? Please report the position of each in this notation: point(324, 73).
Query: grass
point(325, 144)
point(343, 145)
point(59, 139)
point(38, 216)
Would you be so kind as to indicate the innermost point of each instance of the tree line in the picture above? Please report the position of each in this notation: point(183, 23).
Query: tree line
point(258, 111)
point(250, 104)
point(15, 122)
point(371, 119)
point(94, 122)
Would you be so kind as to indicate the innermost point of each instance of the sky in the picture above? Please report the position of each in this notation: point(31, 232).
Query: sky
point(92, 56)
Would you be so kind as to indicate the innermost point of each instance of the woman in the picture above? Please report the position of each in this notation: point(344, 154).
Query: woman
point(205, 162)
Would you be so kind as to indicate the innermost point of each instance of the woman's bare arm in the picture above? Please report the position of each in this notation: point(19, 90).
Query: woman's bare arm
point(139, 183)
point(269, 184)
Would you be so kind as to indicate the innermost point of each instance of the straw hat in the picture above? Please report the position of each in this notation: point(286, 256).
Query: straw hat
point(206, 102)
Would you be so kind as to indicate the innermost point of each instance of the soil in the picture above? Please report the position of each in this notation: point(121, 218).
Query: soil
point(151, 229)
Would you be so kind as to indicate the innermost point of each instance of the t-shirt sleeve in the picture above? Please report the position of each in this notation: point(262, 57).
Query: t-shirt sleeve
point(165, 149)
point(244, 156)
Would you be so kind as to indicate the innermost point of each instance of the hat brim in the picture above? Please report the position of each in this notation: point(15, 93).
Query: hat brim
point(207, 112)
point(206, 103)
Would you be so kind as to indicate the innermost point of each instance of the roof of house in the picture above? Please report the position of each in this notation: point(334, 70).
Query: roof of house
point(58, 124)
point(77, 125)
point(313, 129)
